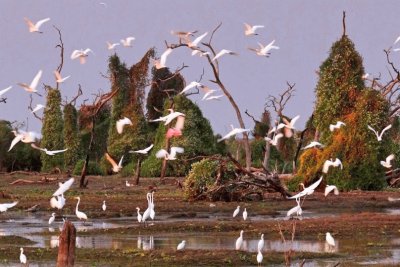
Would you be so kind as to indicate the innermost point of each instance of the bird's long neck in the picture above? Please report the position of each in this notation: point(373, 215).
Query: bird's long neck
point(77, 204)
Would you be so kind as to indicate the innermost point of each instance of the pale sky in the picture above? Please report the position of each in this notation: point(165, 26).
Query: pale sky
point(304, 31)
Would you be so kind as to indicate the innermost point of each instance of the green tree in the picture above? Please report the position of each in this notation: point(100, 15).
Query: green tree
point(71, 136)
point(52, 131)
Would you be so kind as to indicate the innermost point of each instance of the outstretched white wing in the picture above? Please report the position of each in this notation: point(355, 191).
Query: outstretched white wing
point(64, 187)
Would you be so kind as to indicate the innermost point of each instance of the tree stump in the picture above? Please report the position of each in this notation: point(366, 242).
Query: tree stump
point(66, 248)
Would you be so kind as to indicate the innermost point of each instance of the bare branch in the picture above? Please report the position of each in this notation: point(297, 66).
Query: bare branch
point(73, 101)
point(251, 116)
point(31, 109)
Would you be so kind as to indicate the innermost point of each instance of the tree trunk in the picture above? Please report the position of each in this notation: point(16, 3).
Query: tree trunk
point(137, 172)
point(66, 248)
point(266, 155)
point(164, 164)
point(82, 183)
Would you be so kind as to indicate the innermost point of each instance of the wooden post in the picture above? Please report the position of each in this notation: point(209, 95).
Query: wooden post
point(66, 247)
point(137, 172)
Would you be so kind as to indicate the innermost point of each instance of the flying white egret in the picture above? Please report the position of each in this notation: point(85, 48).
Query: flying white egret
point(183, 34)
point(142, 151)
point(196, 41)
point(338, 124)
point(397, 40)
point(289, 126)
point(80, 214)
point(236, 211)
point(111, 46)
point(139, 216)
point(25, 137)
point(297, 209)
point(37, 108)
point(307, 190)
point(59, 78)
point(35, 27)
point(334, 163)
point(48, 152)
point(121, 123)
point(223, 52)
point(63, 187)
point(234, 132)
point(207, 91)
point(2, 92)
point(387, 163)
point(52, 218)
point(245, 214)
point(239, 241)
point(276, 128)
point(81, 54)
point(115, 167)
point(5, 206)
point(190, 86)
point(260, 245)
point(127, 41)
point(330, 188)
point(22, 257)
point(379, 136)
point(251, 30)
point(162, 153)
point(104, 207)
point(57, 202)
point(32, 87)
point(159, 64)
point(264, 51)
point(313, 144)
point(201, 54)
point(181, 245)
point(170, 117)
point(275, 139)
point(259, 258)
point(329, 239)
point(214, 97)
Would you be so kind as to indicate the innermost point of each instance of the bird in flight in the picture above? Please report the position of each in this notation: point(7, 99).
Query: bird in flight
point(159, 64)
point(264, 51)
point(115, 167)
point(121, 123)
point(307, 190)
point(170, 117)
point(162, 153)
point(143, 151)
point(127, 42)
point(313, 144)
point(274, 140)
point(60, 79)
point(330, 188)
point(251, 30)
point(81, 54)
point(234, 132)
point(328, 163)
point(32, 87)
point(48, 152)
point(338, 124)
point(379, 136)
point(111, 46)
point(2, 92)
point(35, 27)
point(223, 52)
point(387, 163)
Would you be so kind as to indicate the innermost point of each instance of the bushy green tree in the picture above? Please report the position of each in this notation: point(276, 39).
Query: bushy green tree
point(52, 131)
point(71, 136)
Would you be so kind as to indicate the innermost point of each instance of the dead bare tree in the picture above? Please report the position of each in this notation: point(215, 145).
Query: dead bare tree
point(99, 101)
point(217, 80)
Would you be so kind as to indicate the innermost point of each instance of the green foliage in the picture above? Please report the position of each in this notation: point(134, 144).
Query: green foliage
point(93, 168)
point(71, 136)
point(261, 127)
point(52, 131)
point(128, 170)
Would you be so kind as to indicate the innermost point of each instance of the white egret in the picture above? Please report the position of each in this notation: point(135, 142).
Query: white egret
point(59, 78)
point(379, 136)
point(111, 46)
point(289, 126)
point(128, 184)
point(80, 214)
point(104, 207)
point(121, 123)
point(297, 209)
point(236, 211)
point(170, 117)
point(196, 41)
point(338, 124)
point(146, 214)
point(259, 258)
point(201, 54)
point(333, 163)
point(5, 206)
point(115, 167)
point(32, 87)
point(57, 202)
point(25, 137)
point(307, 190)
point(49, 152)
point(239, 241)
point(159, 64)
point(127, 41)
point(2, 92)
point(37, 108)
point(251, 30)
point(275, 139)
point(264, 51)
point(260, 245)
point(81, 54)
point(162, 153)
point(52, 218)
point(329, 239)
point(190, 86)
point(139, 216)
point(223, 52)
point(152, 212)
point(35, 27)
point(330, 188)
point(313, 144)
point(397, 40)
point(214, 97)
point(207, 91)
point(245, 214)
point(22, 257)
point(183, 34)
point(387, 163)
point(64, 187)
point(181, 245)
point(276, 128)
point(234, 132)
point(142, 151)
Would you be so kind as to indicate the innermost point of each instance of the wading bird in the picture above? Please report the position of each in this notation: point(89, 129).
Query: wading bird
point(111, 46)
point(159, 64)
point(2, 92)
point(259, 258)
point(139, 216)
point(63, 187)
point(289, 126)
point(275, 139)
point(142, 151)
point(5, 206)
point(297, 209)
point(52, 218)
point(81, 54)
point(330, 188)
point(60, 79)
point(48, 152)
point(181, 245)
point(196, 41)
point(37, 108)
point(22, 257)
point(307, 190)
point(264, 51)
point(223, 52)
point(245, 214)
point(329, 239)
point(260, 245)
point(239, 241)
point(80, 214)
point(313, 144)
point(170, 117)
point(236, 211)
point(104, 207)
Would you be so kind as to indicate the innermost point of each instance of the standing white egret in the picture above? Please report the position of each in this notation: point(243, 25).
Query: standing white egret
point(52, 218)
point(245, 214)
point(331, 162)
point(234, 132)
point(32, 87)
point(307, 190)
point(139, 216)
point(259, 258)
point(379, 136)
point(5, 206)
point(260, 246)
point(329, 239)
point(104, 207)
point(121, 123)
point(236, 211)
point(22, 257)
point(330, 188)
point(152, 212)
point(80, 214)
point(181, 245)
point(146, 214)
point(239, 241)
point(251, 30)
point(128, 184)
point(387, 163)
point(297, 209)
point(35, 27)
